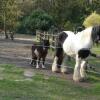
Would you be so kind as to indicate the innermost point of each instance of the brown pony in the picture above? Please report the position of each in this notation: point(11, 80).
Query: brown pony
point(39, 52)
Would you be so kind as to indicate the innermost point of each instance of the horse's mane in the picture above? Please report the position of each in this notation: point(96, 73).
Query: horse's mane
point(95, 31)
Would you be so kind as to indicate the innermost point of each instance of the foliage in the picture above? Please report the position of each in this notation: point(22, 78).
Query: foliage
point(68, 26)
point(26, 7)
point(94, 5)
point(38, 20)
point(62, 12)
point(93, 19)
point(10, 14)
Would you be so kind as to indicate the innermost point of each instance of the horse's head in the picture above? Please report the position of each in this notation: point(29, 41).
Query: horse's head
point(96, 33)
point(46, 44)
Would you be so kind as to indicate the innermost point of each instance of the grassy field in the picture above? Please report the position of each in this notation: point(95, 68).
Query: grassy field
point(15, 86)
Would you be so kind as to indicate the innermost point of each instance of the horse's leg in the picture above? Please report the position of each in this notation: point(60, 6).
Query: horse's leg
point(82, 69)
point(38, 62)
point(64, 68)
point(33, 61)
point(43, 61)
point(55, 66)
point(33, 55)
point(76, 76)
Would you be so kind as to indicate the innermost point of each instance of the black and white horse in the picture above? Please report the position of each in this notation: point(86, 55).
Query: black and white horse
point(39, 52)
point(77, 46)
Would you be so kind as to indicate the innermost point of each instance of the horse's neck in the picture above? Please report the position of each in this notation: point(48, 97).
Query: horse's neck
point(84, 37)
point(85, 34)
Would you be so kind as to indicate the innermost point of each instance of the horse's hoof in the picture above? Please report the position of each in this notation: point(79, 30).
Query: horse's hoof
point(82, 79)
point(43, 67)
point(78, 79)
point(37, 67)
point(64, 71)
point(58, 70)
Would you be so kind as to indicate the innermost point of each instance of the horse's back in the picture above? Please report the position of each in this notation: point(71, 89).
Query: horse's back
point(74, 43)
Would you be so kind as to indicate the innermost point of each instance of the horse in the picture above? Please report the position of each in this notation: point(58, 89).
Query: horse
point(78, 46)
point(39, 52)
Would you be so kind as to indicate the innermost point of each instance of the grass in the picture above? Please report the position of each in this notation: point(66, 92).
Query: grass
point(15, 86)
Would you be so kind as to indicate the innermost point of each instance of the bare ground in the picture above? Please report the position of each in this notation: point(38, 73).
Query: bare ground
point(18, 53)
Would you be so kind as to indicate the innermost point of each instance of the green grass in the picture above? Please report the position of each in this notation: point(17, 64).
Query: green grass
point(42, 87)
point(15, 86)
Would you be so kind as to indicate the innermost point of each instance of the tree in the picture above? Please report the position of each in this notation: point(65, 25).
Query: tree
point(64, 11)
point(67, 14)
point(38, 20)
point(91, 20)
point(10, 14)
point(94, 5)
point(26, 7)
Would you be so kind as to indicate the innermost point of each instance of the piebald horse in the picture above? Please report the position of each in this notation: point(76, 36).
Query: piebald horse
point(77, 46)
point(39, 52)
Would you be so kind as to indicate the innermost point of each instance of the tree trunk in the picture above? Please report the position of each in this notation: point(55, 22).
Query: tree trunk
point(6, 35)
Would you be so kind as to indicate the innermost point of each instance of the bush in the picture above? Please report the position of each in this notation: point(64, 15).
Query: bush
point(91, 20)
point(39, 20)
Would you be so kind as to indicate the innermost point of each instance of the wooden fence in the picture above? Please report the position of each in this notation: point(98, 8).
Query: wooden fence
point(52, 37)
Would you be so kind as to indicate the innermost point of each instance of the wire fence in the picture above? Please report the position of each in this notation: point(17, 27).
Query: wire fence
point(45, 35)
point(47, 62)
point(52, 46)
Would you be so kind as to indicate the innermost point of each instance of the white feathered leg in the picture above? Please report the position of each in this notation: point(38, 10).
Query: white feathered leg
point(82, 69)
point(43, 62)
point(37, 64)
point(54, 65)
point(76, 76)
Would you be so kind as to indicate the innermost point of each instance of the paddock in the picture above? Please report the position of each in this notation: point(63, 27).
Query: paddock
point(30, 83)
point(18, 53)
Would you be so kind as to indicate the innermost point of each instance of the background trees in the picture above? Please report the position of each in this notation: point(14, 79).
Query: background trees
point(9, 15)
point(65, 14)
